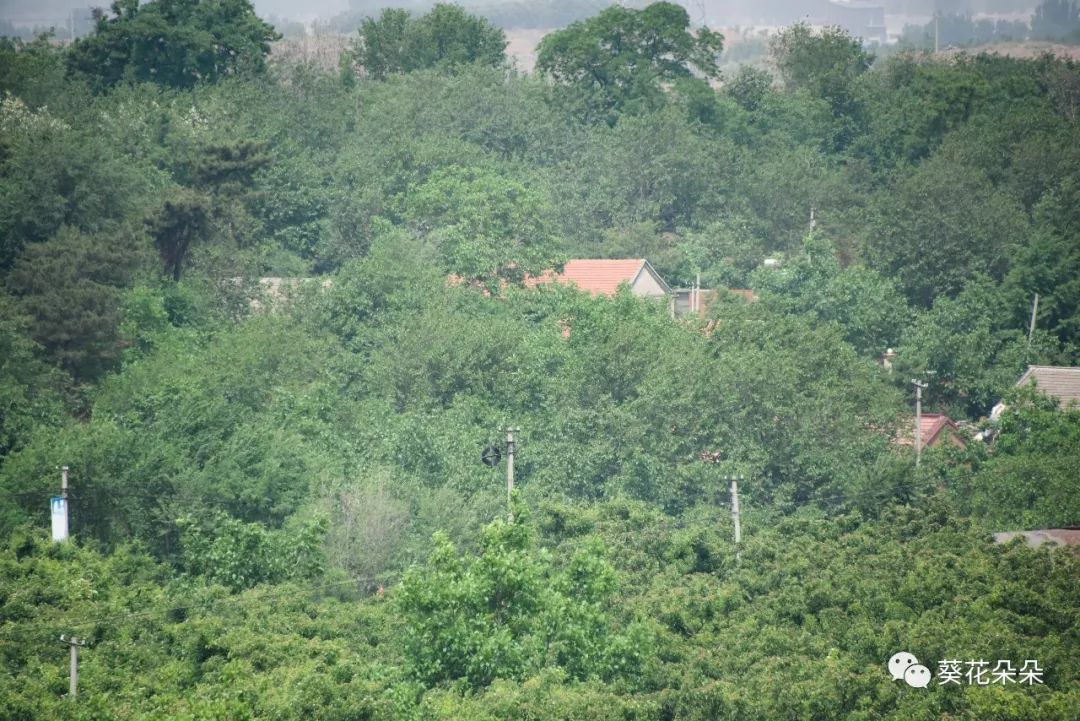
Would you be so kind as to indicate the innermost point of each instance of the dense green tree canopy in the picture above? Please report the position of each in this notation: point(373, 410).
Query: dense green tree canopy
point(447, 37)
point(621, 57)
point(172, 42)
point(228, 307)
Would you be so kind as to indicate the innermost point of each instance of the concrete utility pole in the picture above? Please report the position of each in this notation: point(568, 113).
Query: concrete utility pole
point(511, 446)
point(736, 518)
point(74, 643)
point(918, 419)
point(1031, 326)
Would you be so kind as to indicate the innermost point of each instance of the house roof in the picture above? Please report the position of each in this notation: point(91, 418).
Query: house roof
point(1061, 382)
point(931, 426)
point(600, 276)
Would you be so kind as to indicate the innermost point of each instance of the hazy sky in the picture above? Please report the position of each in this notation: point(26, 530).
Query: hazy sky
point(45, 12)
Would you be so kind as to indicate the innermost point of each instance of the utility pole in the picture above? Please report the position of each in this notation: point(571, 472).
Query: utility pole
point(74, 643)
point(936, 32)
point(736, 518)
point(511, 446)
point(733, 489)
point(1031, 326)
point(918, 420)
point(58, 509)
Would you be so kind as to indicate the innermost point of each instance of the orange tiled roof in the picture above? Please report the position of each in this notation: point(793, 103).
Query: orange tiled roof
point(930, 427)
point(595, 276)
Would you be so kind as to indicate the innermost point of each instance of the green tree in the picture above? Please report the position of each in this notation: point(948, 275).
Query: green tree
point(1050, 265)
point(621, 58)
point(34, 71)
point(487, 227)
point(825, 63)
point(510, 612)
point(71, 287)
point(241, 555)
point(1026, 480)
point(974, 348)
point(29, 388)
point(869, 308)
point(1054, 19)
point(181, 223)
point(447, 38)
point(53, 174)
point(941, 225)
point(172, 42)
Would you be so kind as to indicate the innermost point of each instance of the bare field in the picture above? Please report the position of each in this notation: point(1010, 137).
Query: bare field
point(1021, 50)
point(324, 49)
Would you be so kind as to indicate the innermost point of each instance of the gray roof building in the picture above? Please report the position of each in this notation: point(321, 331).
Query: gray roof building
point(1061, 382)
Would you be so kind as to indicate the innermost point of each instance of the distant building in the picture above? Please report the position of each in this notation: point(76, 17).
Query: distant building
point(862, 18)
point(604, 276)
point(1059, 382)
point(935, 429)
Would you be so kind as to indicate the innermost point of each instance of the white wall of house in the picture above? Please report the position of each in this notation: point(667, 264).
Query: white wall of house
point(646, 285)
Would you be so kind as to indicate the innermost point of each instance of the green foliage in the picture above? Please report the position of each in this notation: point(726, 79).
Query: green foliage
point(868, 307)
point(824, 63)
point(28, 387)
point(962, 30)
point(1055, 19)
point(176, 43)
point(446, 38)
point(32, 70)
point(52, 175)
point(975, 356)
point(181, 223)
point(617, 60)
point(942, 225)
point(943, 197)
point(1048, 265)
point(486, 227)
point(1026, 480)
point(509, 613)
point(71, 287)
point(240, 555)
